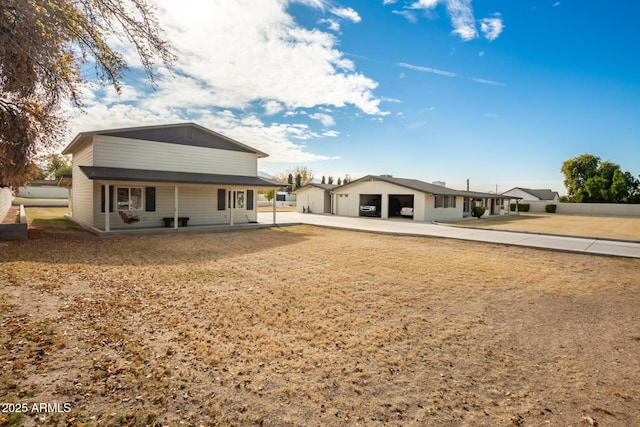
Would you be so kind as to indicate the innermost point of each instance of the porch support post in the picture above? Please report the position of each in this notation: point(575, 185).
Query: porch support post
point(233, 202)
point(107, 207)
point(175, 207)
point(275, 195)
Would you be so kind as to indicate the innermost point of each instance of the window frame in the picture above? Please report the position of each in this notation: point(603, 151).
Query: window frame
point(129, 199)
point(438, 202)
point(240, 199)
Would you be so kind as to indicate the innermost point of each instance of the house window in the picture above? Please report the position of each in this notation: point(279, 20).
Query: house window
point(446, 201)
point(240, 199)
point(129, 198)
point(439, 201)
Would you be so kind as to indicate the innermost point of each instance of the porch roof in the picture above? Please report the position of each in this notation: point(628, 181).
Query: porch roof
point(123, 174)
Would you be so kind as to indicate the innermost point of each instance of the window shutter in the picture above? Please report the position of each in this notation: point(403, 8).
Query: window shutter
point(249, 200)
point(221, 196)
point(150, 199)
point(102, 201)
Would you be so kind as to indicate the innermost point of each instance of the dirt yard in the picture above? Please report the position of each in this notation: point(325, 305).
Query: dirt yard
point(310, 326)
point(626, 228)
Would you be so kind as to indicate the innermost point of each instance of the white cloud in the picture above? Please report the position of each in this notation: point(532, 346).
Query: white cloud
point(272, 107)
point(492, 27)
point(460, 12)
point(347, 13)
point(481, 53)
point(462, 19)
point(427, 69)
point(407, 14)
point(556, 4)
point(424, 4)
point(386, 2)
point(236, 60)
point(325, 119)
point(331, 24)
point(486, 82)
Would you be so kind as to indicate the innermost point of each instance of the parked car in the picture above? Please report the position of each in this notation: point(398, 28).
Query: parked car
point(370, 208)
point(407, 211)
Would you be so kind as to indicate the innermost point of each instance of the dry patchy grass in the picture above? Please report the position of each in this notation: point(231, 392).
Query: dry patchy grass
point(310, 326)
point(576, 225)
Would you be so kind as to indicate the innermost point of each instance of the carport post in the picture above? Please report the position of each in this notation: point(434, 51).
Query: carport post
point(175, 207)
point(232, 203)
point(107, 207)
point(275, 191)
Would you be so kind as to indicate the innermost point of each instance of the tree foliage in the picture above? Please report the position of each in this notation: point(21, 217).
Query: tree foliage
point(53, 166)
point(296, 177)
point(588, 179)
point(269, 194)
point(44, 46)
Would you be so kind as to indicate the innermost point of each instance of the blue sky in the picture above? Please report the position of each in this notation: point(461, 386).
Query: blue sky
point(497, 92)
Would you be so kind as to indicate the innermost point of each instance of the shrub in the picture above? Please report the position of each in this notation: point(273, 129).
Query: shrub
point(522, 207)
point(550, 208)
point(478, 211)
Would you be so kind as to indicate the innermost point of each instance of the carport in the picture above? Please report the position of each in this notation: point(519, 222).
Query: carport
point(399, 201)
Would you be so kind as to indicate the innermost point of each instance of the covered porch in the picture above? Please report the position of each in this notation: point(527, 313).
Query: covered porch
point(129, 199)
point(494, 205)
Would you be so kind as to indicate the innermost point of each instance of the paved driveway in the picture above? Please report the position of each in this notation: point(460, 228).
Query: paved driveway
point(414, 228)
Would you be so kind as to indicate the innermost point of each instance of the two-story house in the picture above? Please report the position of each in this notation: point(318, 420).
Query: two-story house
point(163, 176)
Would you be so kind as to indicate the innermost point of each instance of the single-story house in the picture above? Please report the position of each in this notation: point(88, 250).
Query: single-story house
point(315, 198)
point(430, 202)
point(162, 176)
point(527, 194)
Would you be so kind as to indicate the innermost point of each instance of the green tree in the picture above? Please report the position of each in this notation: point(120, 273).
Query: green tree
point(577, 171)
point(54, 166)
point(323, 180)
point(330, 180)
point(298, 181)
point(588, 179)
point(290, 182)
point(268, 194)
point(44, 46)
point(339, 181)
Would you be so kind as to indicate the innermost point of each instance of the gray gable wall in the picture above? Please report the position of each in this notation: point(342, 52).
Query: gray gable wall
point(183, 135)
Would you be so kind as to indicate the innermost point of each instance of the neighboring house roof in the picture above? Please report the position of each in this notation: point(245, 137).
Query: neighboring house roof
point(541, 194)
point(424, 187)
point(180, 133)
point(122, 174)
point(328, 187)
point(412, 184)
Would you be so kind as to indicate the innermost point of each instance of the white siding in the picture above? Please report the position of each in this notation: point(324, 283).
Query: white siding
point(317, 199)
point(81, 200)
point(347, 201)
point(197, 202)
point(5, 202)
point(138, 154)
point(442, 214)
